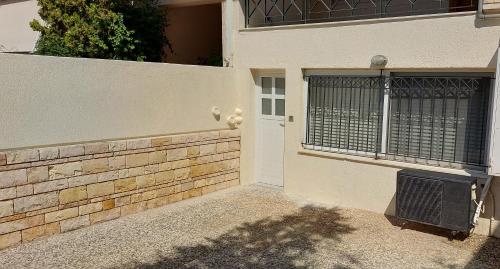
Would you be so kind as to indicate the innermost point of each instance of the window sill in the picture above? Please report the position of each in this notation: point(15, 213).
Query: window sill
point(388, 163)
point(357, 22)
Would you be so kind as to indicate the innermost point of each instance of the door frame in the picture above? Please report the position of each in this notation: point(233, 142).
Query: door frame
point(258, 109)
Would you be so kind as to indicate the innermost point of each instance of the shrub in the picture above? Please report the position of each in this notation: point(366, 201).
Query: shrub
point(107, 29)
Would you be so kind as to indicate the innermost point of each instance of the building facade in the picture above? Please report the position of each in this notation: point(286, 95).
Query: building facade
point(338, 96)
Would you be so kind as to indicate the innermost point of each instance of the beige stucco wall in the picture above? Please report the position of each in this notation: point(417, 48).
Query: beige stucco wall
point(15, 33)
point(50, 100)
point(458, 42)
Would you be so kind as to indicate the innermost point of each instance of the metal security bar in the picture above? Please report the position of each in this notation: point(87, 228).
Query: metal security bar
point(283, 12)
point(440, 119)
point(345, 113)
point(434, 120)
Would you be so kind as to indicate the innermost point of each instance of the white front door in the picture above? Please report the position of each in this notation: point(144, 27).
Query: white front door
point(270, 130)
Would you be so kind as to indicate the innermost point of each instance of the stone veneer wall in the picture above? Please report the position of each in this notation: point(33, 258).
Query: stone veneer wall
point(45, 191)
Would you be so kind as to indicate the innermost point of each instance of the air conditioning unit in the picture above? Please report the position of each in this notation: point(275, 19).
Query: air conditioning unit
point(437, 199)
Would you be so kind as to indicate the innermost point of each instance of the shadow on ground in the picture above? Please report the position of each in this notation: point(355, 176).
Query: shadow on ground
point(486, 249)
point(267, 243)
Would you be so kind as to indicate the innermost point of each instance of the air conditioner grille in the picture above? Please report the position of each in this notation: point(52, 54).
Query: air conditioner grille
point(420, 199)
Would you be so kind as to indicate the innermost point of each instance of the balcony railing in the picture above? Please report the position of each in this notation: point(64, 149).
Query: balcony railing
point(284, 12)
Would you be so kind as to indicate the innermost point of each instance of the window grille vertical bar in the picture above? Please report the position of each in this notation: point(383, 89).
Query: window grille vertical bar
point(332, 100)
point(444, 114)
point(457, 100)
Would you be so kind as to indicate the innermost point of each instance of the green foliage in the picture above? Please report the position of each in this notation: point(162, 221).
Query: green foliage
point(107, 29)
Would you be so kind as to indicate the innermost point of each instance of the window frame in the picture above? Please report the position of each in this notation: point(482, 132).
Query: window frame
point(273, 96)
point(386, 110)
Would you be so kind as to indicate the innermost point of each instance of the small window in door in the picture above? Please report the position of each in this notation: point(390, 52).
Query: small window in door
point(272, 97)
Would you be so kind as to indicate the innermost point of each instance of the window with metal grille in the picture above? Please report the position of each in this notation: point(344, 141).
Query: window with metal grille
point(436, 120)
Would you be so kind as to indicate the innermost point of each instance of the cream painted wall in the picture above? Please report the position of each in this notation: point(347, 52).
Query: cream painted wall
point(15, 33)
point(49, 100)
point(456, 42)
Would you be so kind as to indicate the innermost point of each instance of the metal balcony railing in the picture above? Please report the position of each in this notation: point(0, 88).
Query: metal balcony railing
point(260, 13)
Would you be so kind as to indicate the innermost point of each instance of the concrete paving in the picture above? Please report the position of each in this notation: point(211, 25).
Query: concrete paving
point(253, 227)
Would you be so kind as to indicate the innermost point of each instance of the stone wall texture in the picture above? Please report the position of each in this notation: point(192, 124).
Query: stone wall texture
point(491, 6)
point(50, 190)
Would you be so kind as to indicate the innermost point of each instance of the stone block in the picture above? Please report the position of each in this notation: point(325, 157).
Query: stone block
point(65, 170)
point(107, 176)
point(116, 163)
point(13, 178)
point(193, 151)
point(191, 193)
point(151, 169)
point(24, 190)
point(53, 185)
point(108, 204)
point(6, 208)
point(3, 159)
point(39, 231)
point(207, 136)
point(73, 195)
point(104, 215)
point(208, 149)
point(96, 148)
point(61, 215)
point(187, 186)
point(234, 145)
point(121, 201)
point(200, 170)
point(95, 166)
point(117, 146)
point(133, 208)
point(222, 147)
point(182, 173)
point(145, 181)
point(71, 151)
point(10, 240)
point(8, 193)
point(90, 208)
point(208, 189)
point(125, 184)
point(148, 195)
point(35, 202)
point(75, 223)
point(21, 224)
point(176, 154)
point(156, 157)
point(82, 180)
point(123, 173)
point(22, 156)
point(200, 183)
point(179, 139)
point(135, 160)
point(165, 191)
point(161, 141)
point(100, 189)
point(139, 144)
point(38, 174)
point(49, 153)
point(157, 202)
point(229, 133)
point(136, 171)
point(231, 155)
point(164, 177)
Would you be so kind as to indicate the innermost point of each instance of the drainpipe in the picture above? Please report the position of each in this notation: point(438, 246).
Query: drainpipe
point(484, 192)
point(481, 15)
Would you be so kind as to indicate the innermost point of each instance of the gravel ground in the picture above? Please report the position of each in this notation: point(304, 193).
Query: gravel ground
point(253, 227)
